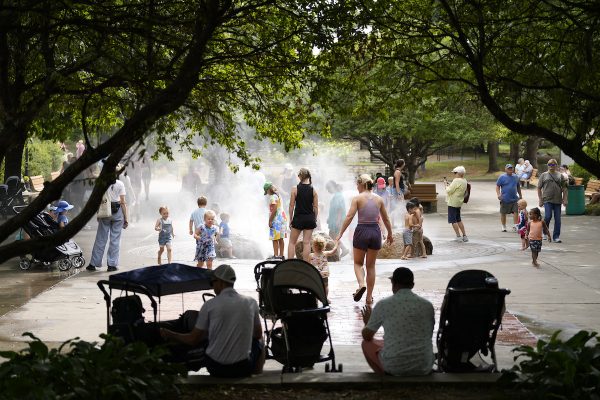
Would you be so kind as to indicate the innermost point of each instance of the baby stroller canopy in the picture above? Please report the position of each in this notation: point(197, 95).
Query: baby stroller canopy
point(299, 274)
point(163, 280)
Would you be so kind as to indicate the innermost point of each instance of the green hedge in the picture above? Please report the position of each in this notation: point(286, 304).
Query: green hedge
point(44, 158)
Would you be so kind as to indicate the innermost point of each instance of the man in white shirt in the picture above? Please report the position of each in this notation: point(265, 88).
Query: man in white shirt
point(110, 229)
point(231, 324)
point(407, 321)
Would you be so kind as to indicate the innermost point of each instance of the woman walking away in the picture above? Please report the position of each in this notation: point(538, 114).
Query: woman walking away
point(367, 236)
point(304, 208)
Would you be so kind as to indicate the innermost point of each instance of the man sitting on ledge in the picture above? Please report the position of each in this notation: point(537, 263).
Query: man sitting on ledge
point(231, 324)
point(407, 321)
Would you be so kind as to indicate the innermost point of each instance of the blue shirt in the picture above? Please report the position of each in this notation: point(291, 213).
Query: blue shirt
point(225, 227)
point(508, 188)
point(62, 218)
point(197, 217)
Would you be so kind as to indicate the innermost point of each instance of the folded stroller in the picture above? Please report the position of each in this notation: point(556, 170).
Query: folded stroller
point(66, 255)
point(469, 320)
point(11, 194)
point(288, 294)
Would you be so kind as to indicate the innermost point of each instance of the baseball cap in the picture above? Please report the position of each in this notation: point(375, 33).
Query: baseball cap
point(267, 186)
point(403, 276)
point(508, 166)
point(460, 169)
point(224, 272)
point(63, 206)
point(380, 183)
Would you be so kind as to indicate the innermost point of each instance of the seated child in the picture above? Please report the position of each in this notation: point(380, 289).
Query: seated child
point(61, 213)
point(409, 223)
point(318, 258)
point(225, 245)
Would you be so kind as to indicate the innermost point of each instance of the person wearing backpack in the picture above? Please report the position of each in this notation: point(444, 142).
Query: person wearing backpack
point(552, 195)
point(456, 193)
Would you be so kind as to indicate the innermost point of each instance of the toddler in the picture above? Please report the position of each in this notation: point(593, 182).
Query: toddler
point(197, 217)
point(205, 240)
point(410, 222)
point(318, 258)
point(536, 227)
point(164, 227)
point(417, 230)
point(226, 247)
point(522, 225)
point(61, 213)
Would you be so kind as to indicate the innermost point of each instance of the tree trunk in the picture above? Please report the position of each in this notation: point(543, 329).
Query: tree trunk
point(14, 159)
point(531, 149)
point(492, 156)
point(514, 152)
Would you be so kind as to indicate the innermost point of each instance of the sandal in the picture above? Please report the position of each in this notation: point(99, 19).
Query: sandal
point(359, 293)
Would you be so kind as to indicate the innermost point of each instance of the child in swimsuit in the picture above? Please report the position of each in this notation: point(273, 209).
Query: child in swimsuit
point(318, 258)
point(535, 228)
point(410, 222)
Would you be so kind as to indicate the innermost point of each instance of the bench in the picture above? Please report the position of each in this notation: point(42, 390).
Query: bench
point(593, 186)
point(54, 175)
point(427, 195)
point(36, 183)
point(532, 179)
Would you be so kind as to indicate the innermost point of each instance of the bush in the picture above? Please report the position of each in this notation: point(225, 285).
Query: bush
point(44, 157)
point(580, 172)
point(592, 209)
point(558, 369)
point(112, 370)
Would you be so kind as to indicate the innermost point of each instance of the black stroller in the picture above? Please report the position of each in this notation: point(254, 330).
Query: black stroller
point(288, 293)
point(469, 320)
point(66, 255)
point(11, 195)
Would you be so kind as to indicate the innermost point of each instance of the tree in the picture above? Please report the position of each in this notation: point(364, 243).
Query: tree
point(533, 63)
point(175, 70)
point(393, 117)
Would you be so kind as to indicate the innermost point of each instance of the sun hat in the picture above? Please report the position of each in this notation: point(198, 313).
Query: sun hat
point(508, 166)
point(460, 169)
point(224, 272)
point(267, 186)
point(380, 183)
point(63, 206)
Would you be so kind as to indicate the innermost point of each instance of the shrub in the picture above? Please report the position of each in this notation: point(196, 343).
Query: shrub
point(44, 157)
point(558, 369)
point(580, 172)
point(592, 209)
point(111, 370)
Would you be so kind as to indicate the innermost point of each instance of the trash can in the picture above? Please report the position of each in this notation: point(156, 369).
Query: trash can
point(576, 200)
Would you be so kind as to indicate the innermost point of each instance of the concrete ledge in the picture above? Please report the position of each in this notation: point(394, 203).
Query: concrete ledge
point(347, 379)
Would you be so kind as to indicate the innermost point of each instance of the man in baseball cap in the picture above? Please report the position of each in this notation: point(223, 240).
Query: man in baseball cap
point(508, 192)
point(407, 321)
point(229, 326)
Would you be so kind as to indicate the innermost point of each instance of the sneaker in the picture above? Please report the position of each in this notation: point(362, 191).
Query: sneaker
point(112, 269)
point(544, 237)
point(90, 268)
point(503, 228)
point(557, 241)
point(458, 239)
point(514, 228)
point(465, 238)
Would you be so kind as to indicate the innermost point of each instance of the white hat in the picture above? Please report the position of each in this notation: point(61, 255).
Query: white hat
point(225, 273)
point(460, 170)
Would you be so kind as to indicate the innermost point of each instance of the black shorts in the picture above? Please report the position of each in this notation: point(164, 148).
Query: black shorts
point(453, 215)
point(304, 221)
point(367, 236)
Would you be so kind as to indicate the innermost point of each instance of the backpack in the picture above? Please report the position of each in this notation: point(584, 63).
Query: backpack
point(467, 193)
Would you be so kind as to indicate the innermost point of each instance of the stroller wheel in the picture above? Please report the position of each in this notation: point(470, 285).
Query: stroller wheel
point(64, 264)
point(25, 263)
point(78, 261)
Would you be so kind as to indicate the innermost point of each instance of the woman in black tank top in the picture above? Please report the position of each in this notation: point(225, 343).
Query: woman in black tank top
point(303, 212)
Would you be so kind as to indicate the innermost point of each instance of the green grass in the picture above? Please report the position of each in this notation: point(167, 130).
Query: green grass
point(476, 169)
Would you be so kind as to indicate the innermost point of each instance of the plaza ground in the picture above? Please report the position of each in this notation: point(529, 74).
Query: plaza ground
point(563, 294)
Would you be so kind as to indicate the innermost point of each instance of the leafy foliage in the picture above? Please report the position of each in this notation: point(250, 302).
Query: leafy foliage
point(44, 157)
point(559, 369)
point(87, 370)
point(578, 171)
point(592, 209)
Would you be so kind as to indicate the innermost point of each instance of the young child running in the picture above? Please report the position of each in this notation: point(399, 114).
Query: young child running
point(536, 227)
point(61, 213)
point(164, 227)
point(417, 232)
point(410, 222)
point(225, 245)
point(522, 225)
point(318, 258)
point(205, 240)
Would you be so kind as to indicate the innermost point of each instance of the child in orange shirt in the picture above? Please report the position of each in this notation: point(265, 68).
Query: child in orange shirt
point(536, 227)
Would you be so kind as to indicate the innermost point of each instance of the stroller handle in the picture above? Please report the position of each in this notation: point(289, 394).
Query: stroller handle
point(18, 209)
point(258, 268)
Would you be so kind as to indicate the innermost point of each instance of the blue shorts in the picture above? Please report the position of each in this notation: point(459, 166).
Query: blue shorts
point(453, 215)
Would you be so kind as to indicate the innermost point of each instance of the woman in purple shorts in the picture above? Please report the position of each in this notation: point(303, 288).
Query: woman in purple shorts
point(367, 235)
